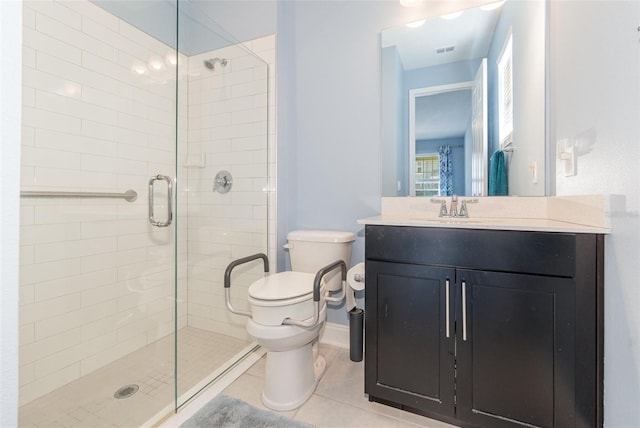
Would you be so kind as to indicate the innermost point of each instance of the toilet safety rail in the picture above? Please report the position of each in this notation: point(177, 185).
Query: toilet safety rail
point(316, 294)
point(317, 282)
point(227, 278)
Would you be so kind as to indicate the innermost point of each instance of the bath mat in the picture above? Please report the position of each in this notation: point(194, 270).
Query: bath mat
point(225, 412)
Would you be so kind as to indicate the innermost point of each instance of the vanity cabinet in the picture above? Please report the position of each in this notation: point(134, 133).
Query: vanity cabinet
point(485, 328)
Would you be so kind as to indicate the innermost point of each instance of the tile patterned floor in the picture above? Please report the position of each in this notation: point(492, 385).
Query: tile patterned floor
point(89, 401)
point(339, 400)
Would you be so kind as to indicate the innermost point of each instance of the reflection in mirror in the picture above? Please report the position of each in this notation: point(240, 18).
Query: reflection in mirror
point(441, 119)
point(463, 89)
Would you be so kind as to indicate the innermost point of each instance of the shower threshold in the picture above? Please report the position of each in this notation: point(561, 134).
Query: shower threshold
point(215, 383)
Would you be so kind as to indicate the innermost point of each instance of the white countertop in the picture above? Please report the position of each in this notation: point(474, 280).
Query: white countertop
point(570, 214)
point(522, 224)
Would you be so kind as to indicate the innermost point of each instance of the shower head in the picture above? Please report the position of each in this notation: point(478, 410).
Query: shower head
point(211, 63)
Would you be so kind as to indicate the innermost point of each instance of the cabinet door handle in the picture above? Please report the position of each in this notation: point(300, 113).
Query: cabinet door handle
point(446, 309)
point(464, 311)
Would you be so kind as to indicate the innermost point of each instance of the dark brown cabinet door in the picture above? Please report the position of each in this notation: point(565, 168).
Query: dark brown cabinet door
point(526, 317)
point(410, 335)
point(516, 349)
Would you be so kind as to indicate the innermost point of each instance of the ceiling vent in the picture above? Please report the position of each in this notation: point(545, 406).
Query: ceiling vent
point(445, 49)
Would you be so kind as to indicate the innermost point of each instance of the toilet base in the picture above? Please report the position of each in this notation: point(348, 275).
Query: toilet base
point(291, 377)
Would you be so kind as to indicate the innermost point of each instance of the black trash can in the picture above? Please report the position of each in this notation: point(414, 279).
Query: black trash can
point(356, 325)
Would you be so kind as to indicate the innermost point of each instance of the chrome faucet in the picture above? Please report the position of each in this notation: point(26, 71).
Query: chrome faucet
point(453, 208)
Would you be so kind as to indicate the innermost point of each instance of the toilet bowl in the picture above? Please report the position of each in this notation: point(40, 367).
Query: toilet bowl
point(292, 370)
point(288, 311)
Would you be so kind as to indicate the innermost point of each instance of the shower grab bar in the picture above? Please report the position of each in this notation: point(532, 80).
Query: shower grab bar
point(152, 219)
point(129, 195)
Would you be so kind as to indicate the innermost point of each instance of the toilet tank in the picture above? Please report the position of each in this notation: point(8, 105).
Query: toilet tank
point(311, 250)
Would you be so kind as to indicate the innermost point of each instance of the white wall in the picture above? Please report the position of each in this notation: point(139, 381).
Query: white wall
point(10, 116)
point(96, 280)
point(595, 104)
point(228, 130)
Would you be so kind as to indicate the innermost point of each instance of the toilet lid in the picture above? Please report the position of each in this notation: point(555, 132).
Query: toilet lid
point(283, 286)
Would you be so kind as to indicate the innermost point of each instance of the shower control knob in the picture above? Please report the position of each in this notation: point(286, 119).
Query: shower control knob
point(223, 182)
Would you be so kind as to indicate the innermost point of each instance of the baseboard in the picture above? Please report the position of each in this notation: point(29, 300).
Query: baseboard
point(335, 335)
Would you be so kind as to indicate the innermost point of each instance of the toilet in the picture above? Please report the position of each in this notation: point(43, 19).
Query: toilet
point(283, 317)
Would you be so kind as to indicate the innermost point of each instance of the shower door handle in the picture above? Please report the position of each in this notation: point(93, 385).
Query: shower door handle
point(152, 219)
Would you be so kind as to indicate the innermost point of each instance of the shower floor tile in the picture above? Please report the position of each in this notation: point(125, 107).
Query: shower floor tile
point(89, 401)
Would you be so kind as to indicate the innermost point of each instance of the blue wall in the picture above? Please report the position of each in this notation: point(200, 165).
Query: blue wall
point(329, 117)
point(444, 74)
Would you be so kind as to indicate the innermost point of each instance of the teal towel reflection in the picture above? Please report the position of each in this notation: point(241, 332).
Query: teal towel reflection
point(498, 185)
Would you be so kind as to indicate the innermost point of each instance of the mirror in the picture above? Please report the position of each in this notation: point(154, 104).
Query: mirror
point(462, 89)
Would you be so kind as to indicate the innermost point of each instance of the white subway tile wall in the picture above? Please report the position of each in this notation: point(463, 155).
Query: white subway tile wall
point(97, 281)
point(228, 130)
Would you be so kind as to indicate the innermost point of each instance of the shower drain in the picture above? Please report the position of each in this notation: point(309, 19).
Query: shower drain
point(126, 391)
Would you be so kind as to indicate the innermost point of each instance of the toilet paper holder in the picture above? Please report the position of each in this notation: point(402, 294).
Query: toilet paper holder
point(356, 280)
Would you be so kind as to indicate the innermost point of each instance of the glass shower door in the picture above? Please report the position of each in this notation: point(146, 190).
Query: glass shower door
point(122, 314)
point(222, 193)
point(97, 280)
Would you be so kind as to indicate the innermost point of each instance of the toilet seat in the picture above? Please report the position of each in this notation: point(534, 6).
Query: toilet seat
point(282, 295)
point(282, 286)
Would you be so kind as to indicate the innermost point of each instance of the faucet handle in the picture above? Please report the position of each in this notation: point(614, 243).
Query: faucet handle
point(443, 206)
point(464, 212)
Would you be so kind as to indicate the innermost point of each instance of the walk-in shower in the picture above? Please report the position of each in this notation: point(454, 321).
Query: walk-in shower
point(122, 314)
